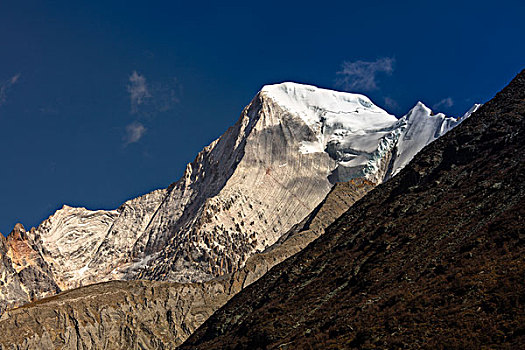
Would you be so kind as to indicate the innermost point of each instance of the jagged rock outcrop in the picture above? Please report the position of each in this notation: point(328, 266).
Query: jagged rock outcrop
point(238, 197)
point(431, 259)
point(24, 275)
point(156, 315)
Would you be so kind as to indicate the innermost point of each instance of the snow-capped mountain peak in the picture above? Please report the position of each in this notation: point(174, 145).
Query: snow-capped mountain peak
point(419, 127)
point(420, 107)
point(240, 194)
point(315, 105)
point(345, 125)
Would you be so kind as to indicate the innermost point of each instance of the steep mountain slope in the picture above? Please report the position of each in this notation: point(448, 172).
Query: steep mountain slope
point(238, 197)
point(430, 259)
point(156, 315)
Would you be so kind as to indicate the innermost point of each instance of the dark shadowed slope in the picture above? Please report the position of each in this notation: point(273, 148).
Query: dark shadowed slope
point(432, 259)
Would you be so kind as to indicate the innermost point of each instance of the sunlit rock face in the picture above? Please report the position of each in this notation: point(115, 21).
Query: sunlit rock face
point(24, 274)
point(240, 194)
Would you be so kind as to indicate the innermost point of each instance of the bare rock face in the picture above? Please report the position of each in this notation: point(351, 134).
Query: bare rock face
point(156, 315)
point(10, 287)
point(24, 275)
point(238, 197)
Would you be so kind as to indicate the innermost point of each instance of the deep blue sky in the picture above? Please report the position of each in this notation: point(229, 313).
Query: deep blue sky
point(70, 134)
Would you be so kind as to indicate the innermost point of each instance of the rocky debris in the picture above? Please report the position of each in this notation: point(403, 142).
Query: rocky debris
point(432, 258)
point(155, 315)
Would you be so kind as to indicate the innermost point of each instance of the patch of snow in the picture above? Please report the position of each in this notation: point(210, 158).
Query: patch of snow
point(83, 270)
point(308, 147)
point(469, 112)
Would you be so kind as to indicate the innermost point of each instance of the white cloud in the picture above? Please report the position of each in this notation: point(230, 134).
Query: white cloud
point(362, 75)
point(138, 91)
point(444, 103)
point(5, 86)
point(134, 132)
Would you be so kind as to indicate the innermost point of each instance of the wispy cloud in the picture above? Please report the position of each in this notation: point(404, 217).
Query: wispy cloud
point(5, 86)
point(165, 95)
point(391, 103)
point(444, 103)
point(14, 79)
point(134, 132)
point(362, 75)
point(138, 91)
point(149, 98)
